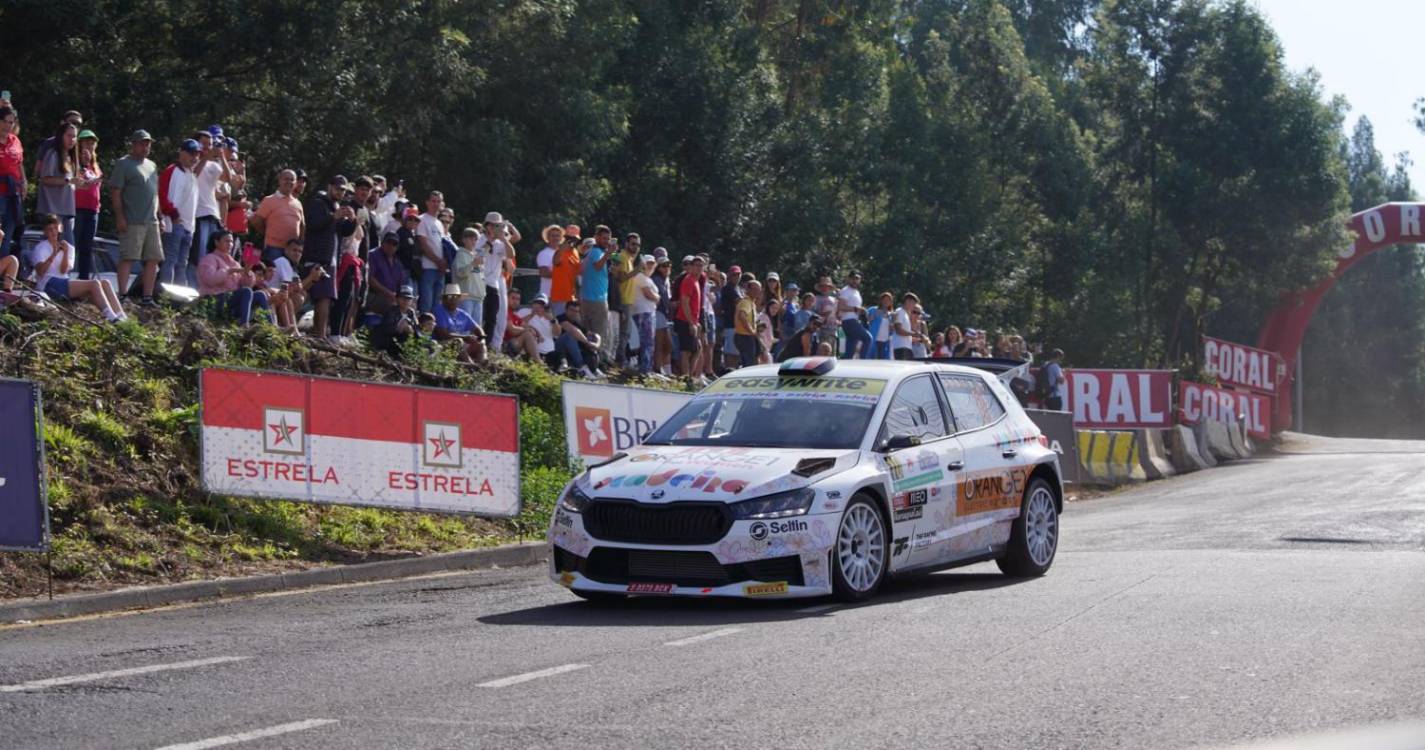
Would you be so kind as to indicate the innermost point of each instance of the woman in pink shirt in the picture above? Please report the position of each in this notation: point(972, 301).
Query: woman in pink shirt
point(86, 203)
point(222, 276)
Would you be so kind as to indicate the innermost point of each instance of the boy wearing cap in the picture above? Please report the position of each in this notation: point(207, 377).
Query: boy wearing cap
point(133, 192)
point(178, 201)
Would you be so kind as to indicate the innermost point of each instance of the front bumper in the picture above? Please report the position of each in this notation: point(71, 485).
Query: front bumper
point(754, 559)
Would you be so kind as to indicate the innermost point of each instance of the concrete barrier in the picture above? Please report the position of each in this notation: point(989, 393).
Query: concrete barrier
point(1153, 454)
point(1199, 436)
point(1237, 438)
point(1109, 458)
point(1247, 444)
point(1182, 450)
point(1219, 440)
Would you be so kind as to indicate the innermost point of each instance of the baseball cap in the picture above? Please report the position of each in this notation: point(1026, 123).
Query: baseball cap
point(494, 217)
point(735, 269)
point(665, 261)
point(972, 332)
point(87, 134)
point(139, 135)
point(406, 292)
point(390, 237)
point(215, 130)
point(649, 259)
point(660, 252)
point(687, 259)
point(540, 298)
point(301, 174)
point(412, 212)
point(773, 276)
point(853, 274)
point(191, 146)
point(793, 287)
point(232, 144)
point(572, 231)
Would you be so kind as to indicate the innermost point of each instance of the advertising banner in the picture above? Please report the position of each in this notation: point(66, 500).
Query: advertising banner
point(1201, 402)
point(24, 515)
point(347, 442)
point(1120, 399)
point(1244, 366)
point(1058, 426)
point(600, 420)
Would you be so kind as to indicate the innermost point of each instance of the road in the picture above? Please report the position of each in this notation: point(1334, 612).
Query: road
point(1259, 600)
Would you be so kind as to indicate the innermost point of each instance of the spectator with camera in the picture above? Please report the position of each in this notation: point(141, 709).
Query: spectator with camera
point(397, 324)
point(222, 277)
point(87, 201)
point(328, 223)
point(59, 175)
point(594, 286)
point(499, 261)
point(212, 177)
point(53, 257)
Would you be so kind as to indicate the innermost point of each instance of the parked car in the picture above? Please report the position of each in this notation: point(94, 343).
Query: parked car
point(815, 477)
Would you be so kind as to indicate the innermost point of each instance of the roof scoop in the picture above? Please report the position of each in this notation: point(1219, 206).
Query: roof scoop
point(808, 467)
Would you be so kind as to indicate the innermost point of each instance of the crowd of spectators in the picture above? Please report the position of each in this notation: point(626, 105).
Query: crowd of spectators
point(359, 257)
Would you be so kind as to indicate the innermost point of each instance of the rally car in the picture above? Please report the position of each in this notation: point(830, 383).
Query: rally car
point(817, 476)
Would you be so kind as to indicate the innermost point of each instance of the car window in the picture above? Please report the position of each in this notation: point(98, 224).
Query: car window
point(915, 411)
point(972, 404)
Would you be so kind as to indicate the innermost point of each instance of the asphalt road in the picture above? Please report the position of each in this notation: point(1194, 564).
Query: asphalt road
point(1259, 600)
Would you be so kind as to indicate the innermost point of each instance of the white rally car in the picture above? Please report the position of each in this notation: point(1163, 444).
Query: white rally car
point(815, 477)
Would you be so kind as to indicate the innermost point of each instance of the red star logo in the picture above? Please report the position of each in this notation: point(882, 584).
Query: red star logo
point(283, 431)
point(442, 445)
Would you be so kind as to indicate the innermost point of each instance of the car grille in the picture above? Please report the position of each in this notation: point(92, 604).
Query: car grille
point(610, 565)
point(641, 523)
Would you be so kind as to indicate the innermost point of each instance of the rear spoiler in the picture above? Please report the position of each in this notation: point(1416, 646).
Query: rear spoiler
point(1004, 369)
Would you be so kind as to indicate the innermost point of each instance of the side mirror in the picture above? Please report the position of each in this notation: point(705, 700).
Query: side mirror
point(900, 441)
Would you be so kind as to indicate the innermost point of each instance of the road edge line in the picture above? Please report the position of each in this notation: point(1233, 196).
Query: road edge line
point(148, 597)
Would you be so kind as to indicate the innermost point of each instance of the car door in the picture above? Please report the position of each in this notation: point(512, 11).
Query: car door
point(920, 476)
point(987, 498)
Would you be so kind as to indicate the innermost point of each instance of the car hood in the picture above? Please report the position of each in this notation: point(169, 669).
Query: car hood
point(665, 474)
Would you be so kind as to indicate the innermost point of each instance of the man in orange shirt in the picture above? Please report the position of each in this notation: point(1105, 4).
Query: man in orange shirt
point(564, 278)
point(280, 218)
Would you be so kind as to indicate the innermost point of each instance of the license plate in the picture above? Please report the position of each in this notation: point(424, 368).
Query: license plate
point(650, 588)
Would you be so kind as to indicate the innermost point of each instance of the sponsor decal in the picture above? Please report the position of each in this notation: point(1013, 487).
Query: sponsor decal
point(898, 546)
point(442, 444)
point(657, 495)
point(990, 492)
point(602, 420)
point(271, 471)
point(909, 514)
point(450, 485)
point(765, 589)
point(920, 480)
point(924, 539)
point(593, 428)
point(726, 457)
point(562, 519)
point(676, 478)
point(861, 390)
point(833, 494)
point(650, 588)
point(759, 530)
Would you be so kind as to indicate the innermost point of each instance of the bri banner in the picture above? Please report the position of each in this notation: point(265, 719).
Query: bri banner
point(600, 420)
point(346, 442)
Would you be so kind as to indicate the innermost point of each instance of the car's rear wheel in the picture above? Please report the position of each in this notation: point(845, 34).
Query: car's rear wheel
point(1035, 535)
point(859, 559)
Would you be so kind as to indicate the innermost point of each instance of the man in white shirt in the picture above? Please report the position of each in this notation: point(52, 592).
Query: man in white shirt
point(849, 309)
point(553, 235)
point(429, 234)
point(498, 261)
point(538, 317)
point(178, 203)
point(212, 175)
point(902, 336)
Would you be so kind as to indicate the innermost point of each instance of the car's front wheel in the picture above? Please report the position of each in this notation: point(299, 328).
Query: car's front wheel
point(1035, 535)
point(859, 559)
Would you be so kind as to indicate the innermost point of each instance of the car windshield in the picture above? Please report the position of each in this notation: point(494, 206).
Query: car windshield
point(768, 412)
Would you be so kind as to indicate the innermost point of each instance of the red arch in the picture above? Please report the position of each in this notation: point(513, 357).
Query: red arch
point(1376, 228)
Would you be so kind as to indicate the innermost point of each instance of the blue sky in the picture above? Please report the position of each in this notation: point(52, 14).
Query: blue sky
point(1368, 51)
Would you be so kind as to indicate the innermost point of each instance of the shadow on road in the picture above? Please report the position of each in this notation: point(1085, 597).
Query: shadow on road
point(642, 611)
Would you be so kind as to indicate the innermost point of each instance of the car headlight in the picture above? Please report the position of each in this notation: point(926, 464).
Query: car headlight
point(574, 500)
point(780, 505)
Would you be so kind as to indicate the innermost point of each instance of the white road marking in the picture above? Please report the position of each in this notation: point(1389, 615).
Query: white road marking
point(527, 676)
point(96, 676)
point(256, 734)
point(819, 608)
point(704, 637)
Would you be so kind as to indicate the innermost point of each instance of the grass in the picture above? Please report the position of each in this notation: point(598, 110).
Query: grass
point(121, 441)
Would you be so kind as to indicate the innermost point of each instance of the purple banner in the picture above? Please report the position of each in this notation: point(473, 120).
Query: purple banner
point(24, 519)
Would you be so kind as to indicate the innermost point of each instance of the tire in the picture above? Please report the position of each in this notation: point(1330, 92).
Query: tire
point(601, 598)
point(860, 556)
point(1034, 539)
